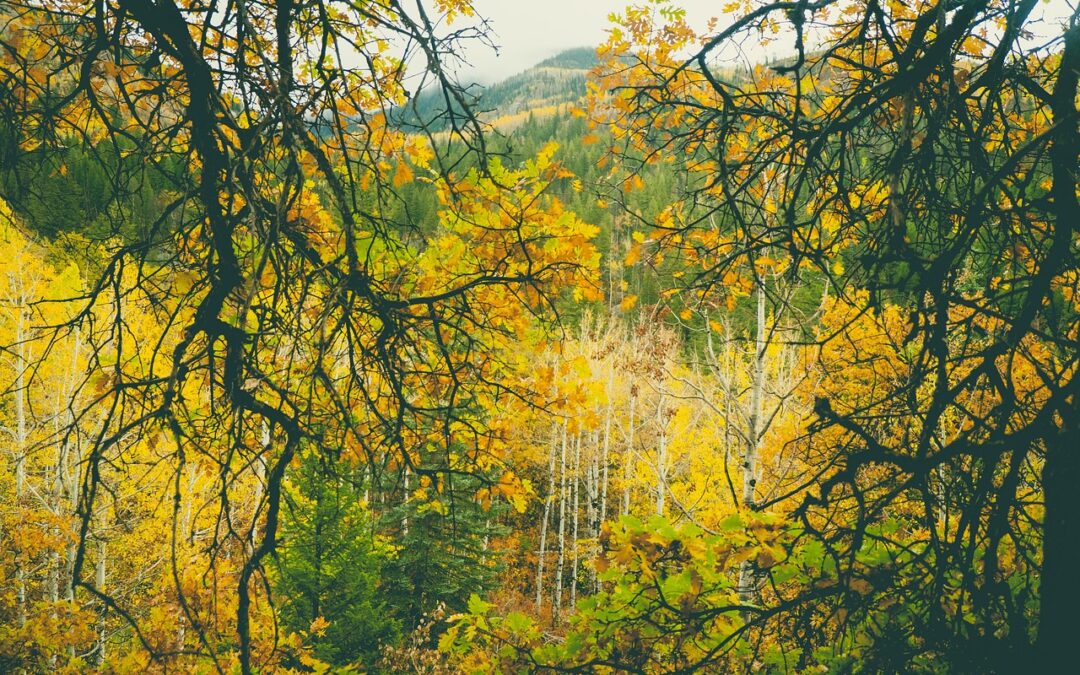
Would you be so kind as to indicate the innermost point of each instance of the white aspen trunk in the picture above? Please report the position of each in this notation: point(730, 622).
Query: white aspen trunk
point(628, 460)
point(20, 445)
point(56, 506)
point(20, 405)
point(55, 561)
point(577, 511)
point(544, 526)
point(405, 516)
point(70, 461)
point(562, 530)
point(729, 408)
point(748, 578)
point(727, 375)
point(56, 501)
point(99, 581)
point(606, 461)
point(259, 468)
point(369, 475)
point(750, 462)
point(661, 458)
point(70, 477)
point(596, 507)
point(593, 488)
point(613, 240)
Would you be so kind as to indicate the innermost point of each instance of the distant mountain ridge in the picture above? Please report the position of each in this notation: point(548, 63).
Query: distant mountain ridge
point(550, 85)
point(579, 58)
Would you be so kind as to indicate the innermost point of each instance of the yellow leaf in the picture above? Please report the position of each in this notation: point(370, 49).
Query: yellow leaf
point(403, 174)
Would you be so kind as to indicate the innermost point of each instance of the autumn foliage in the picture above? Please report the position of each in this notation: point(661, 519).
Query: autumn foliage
point(300, 375)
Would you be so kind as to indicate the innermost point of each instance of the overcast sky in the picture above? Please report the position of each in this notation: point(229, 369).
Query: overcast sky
point(529, 31)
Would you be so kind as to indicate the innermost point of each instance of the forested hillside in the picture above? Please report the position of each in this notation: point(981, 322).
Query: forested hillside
point(648, 359)
point(546, 87)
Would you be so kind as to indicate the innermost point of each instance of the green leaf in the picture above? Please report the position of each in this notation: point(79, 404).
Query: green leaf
point(676, 586)
point(478, 606)
point(731, 523)
point(575, 642)
point(516, 622)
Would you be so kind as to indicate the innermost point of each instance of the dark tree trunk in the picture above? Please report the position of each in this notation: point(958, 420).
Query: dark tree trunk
point(1060, 580)
point(1059, 612)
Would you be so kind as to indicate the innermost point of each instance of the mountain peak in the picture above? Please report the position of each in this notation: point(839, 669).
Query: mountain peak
point(550, 85)
point(578, 58)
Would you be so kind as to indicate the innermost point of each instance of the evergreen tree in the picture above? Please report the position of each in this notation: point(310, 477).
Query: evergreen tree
point(329, 569)
point(443, 552)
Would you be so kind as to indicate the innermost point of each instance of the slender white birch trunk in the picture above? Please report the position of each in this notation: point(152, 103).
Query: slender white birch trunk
point(750, 463)
point(20, 444)
point(748, 579)
point(405, 501)
point(577, 511)
point(628, 459)
point(99, 582)
point(661, 458)
point(606, 461)
point(562, 529)
point(544, 525)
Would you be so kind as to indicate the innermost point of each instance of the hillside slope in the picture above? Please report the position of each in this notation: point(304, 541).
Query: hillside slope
point(547, 87)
